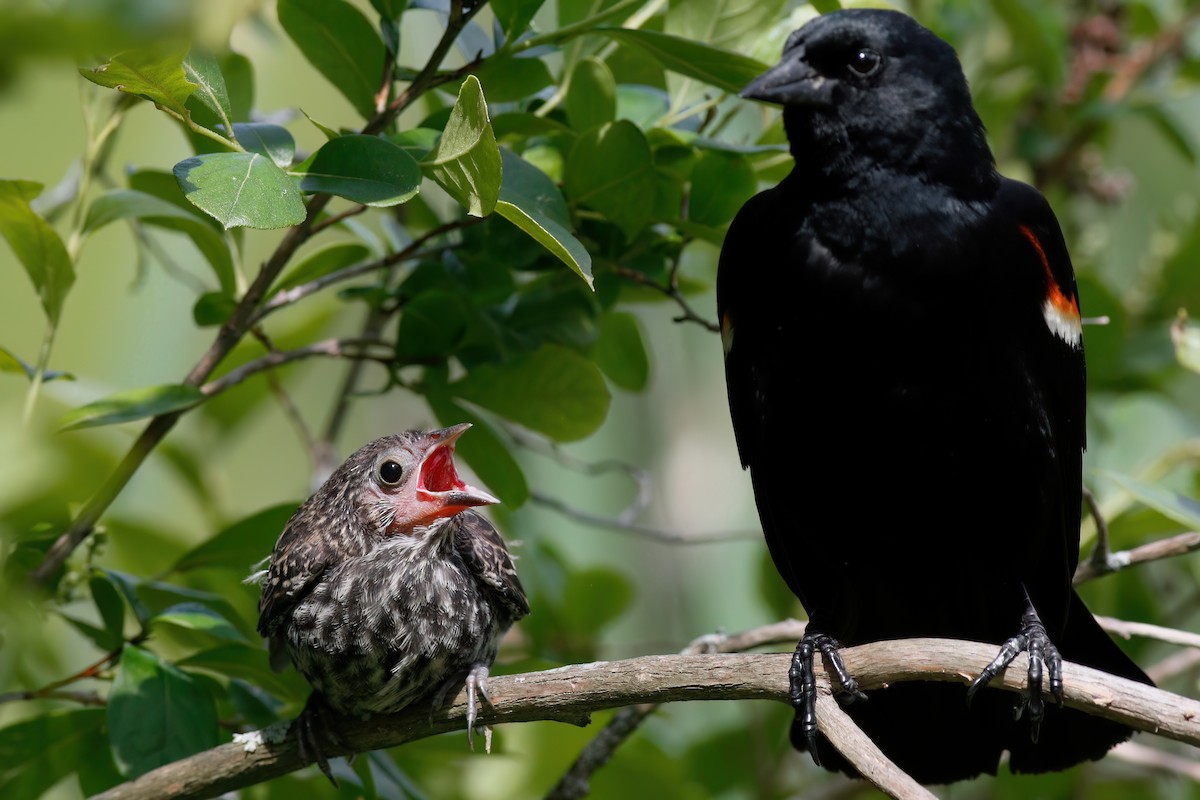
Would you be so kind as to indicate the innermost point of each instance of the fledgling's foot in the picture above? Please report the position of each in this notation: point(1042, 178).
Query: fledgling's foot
point(476, 681)
point(1033, 639)
point(311, 728)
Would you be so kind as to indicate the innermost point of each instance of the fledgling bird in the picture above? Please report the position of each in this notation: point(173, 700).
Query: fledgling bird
point(385, 586)
point(904, 361)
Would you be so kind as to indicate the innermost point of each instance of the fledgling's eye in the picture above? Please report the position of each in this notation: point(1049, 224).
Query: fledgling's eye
point(865, 61)
point(390, 473)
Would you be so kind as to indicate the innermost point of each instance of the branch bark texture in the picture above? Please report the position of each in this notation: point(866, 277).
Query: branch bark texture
point(570, 694)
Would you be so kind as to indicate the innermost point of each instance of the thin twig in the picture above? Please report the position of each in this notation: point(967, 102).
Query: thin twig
point(1101, 557)
point(672, 291)
point(570, 694)
point(1125, 629)
point(290, 410)
point(1174, 665)
point(1144, 756)
point(334, 219)
point(1178, 545)
point(623, 526)
point(334, 348)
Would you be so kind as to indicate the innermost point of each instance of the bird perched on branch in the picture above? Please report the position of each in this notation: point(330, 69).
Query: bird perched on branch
point(385, 587)
point(904, 360)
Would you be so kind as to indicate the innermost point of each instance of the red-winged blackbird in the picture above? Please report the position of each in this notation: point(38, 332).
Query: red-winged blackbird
point(905, 368)
point(384, 587)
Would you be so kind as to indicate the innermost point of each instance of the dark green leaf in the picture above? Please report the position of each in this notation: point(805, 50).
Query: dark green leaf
point(127, 586)
point(531, 201)
point(466, 161)
point(1171, 505)
point(147, 401)
point(212, 308)
point(36, 245)
point(554, 391)
point(721, 183)
point(431, 326)
point(728, 71)
point(111, 606)
point(241, 189)
point(157, 714)
point(201, 68)
point(484, 451)
point(507, 79)
point(199, 617)
point(272, 141)
point(341, 43)
point(826, 6)
point(514, 15)
point(594, 598)
point(364, 169)
point(592, 97)
point(323, 262)
point(242, 545)
point(620, 352)
point(22, 741)
point(610, 169)
point(148, 73)
point(416, 142)
point(248, 662)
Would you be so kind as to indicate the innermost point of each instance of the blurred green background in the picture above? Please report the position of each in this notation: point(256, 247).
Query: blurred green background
point(1095, 102)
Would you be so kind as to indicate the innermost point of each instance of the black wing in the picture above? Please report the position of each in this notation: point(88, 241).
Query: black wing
point(486, 555)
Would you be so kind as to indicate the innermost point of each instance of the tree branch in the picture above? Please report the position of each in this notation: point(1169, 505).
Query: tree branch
point(1179, 545)
point(570, 694)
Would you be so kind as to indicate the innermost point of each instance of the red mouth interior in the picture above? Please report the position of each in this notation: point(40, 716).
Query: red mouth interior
point(437, 472)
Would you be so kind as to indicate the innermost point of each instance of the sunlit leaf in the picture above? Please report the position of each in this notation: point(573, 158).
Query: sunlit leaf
point(531, 201)
point(272, 141)
point(241, 189)
point(199, 617)
point(202, 69)
point(466, 162)
point(147, 401)
point(148, 73)
point(364, 169)
point(610, 169)
point(725, 70)
point(36, 245)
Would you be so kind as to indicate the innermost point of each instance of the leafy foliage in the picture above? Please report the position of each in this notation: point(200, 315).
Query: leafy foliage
point(495, 209)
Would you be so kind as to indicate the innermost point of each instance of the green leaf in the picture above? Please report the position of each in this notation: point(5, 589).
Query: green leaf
point(728, 71)
point(736, 26)
point(611, 170)
point(531, 201)
point(508, 79)
point(514, 15)
point(431, 326)
point(23, 741)
point(554, 391)
point(212, 308)
point(620, 352)
point(36, 245)
point(364, 169)
point(826, 6)
point(241, 189)
point(199, 617)
point(127, 586)
point(466, 162)
point(1171, 505)
point(111, 606)
point(721, 184)
point(248, 662)
point(594, 598)
point(133, 404)
point(1186, 339)
point(157, 714)
point(11, 362)
point(390, 9)
point(272, 141)
point(150, 74)
point(202, 68)
point(482, 448)
point(323, 262)
point(132, 204)
point(592, 96)
point(417, 142)
point(240, 546)
point(1172, 128)
point(341, 43)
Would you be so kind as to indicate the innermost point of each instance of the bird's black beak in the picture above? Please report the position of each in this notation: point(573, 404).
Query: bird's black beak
point(791, 82)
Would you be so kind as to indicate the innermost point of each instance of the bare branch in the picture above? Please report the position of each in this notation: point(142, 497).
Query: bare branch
point(335, 348)
point(1170, 547)
point(622, 525)
point(570, 694)
point(1144, 756)
point(1174, 664)
point(1125, 629)
point(670, 290)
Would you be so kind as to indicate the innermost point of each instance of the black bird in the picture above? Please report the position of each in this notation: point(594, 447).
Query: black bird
point(904, 360)
point(384, 586)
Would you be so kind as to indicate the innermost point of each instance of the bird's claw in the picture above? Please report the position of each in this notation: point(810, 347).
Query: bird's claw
point(1034, 640)
point(477, 685)
point(802, 681)
point(310, 729)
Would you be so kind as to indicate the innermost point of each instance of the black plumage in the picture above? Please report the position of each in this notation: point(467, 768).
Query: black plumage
point(385, 587)
point(905, 369)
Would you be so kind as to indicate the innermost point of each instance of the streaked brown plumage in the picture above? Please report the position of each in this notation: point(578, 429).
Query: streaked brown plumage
point(385, 587)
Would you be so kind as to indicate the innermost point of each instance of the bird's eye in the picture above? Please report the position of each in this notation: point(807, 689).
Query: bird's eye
point(865, 61)
point(390, 472)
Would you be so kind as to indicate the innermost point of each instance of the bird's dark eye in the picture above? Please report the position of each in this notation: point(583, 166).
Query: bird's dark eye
point(865, 61)
point(390, 472)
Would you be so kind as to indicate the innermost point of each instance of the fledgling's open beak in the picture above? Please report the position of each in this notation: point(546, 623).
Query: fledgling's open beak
point(791, 82)
point(438, 485)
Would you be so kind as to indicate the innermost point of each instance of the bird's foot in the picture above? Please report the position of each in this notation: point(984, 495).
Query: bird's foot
point(803, 683)
point(1033, 639)
point(477, 688)
point(311, 728)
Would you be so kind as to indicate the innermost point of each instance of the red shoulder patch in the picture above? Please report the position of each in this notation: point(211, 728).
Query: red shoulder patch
point(1060, 309)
